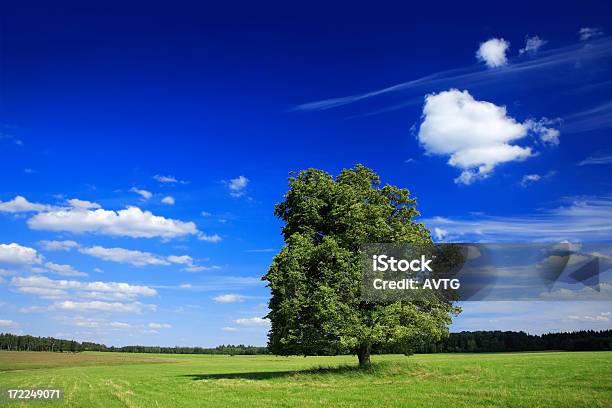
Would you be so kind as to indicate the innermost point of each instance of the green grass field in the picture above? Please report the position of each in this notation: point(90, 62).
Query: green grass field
point(555, 379)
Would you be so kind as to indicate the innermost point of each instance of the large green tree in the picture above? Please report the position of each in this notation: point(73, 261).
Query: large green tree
point(315, 280)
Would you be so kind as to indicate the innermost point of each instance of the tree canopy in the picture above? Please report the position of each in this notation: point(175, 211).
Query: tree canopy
point(315, 280)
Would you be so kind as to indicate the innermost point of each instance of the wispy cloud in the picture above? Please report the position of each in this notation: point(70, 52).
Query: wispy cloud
point(596, 117)
point(141, 192)
point(229, 298)
point(253, 322)
point(598, 158)
point(580, 218)
point(168, 179)
point(473, 75)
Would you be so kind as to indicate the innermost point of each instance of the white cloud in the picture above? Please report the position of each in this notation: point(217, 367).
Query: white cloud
point(165, 179)
point(209, 238)
point(182, 259)
point(229, 329)
point(120, 325)
point(493, 52)
point(237, 186)
point(114, 307)
point(440, 233)
point(554, 60)
point(581, 218)
point(197, 268)
point(206, 214)
point(124, 289)
point(168, 200)
point(95, 323)
point(586, 33)
point(476, 135)
point(141, 258)
point(157, 326)
point(143, 193)
point(64, 270)
point(58, 245)
point(76, 203)
point(21, 204)
point(588, 294)
point(229, 298)
point(529, 179)
point(122, 255)
point(130, 222)
point(16, 254)
point(253, 321)
point(600, 158)
point(46, 293)
point(548, 135)
point(533, 317)
point(8, 323)
point(532, 45)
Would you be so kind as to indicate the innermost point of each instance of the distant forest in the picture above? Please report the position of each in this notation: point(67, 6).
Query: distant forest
point(463, 342)
point(496, 341)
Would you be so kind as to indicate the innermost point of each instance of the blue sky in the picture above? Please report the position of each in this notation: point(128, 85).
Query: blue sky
point(498, 124)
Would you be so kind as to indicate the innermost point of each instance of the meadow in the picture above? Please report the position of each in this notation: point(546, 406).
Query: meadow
point(555, 379)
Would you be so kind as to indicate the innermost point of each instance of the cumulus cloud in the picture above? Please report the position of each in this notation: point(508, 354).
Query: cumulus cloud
point(21, 204)
point(601, 317)
point(253, 321)
point(182, 259)
point(130, 222)
point(125, 290)
point(229, 298)
point(541, 128)
point(587, 33)
point(122, 255)
point(237, 186)
point(532, 45)
point(113, 307)
point(64, 270)
point(169, 200)
point(214, 238)
point(8, 323)
point(440, 233)
point(66, 245)
point(15, 254)
point(143, 193)
point(76, 203)
point(476, 135)
point(493, 52)
point(141, 258)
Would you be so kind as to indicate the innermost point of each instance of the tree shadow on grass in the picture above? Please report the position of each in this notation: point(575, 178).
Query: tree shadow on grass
point(350, 370)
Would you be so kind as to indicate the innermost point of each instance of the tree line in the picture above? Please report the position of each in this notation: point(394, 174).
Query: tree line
point(31, 343)
point(503, 341)
point(462, 342)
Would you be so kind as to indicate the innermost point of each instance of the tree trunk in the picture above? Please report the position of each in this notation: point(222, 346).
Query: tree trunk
point(364, 357)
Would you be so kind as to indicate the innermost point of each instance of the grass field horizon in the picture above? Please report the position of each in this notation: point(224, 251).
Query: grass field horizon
point(528, 379)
